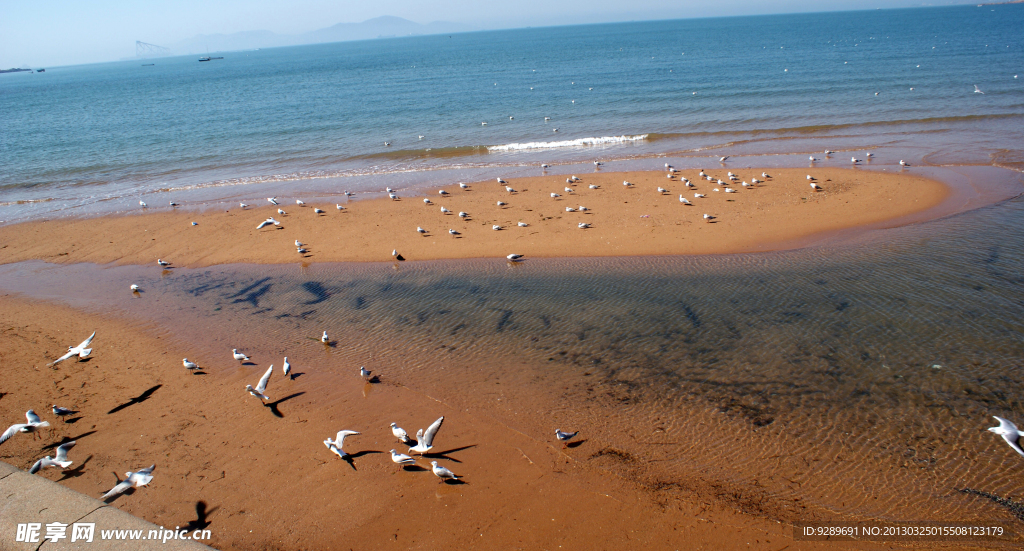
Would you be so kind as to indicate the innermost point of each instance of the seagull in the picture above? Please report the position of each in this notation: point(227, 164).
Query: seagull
point(597, 163)
point(569, 190)
point(708, 178)
point(723, 159)
point(299, 202)
point(300, 250)
point(1009, 432)
point(442, 192)
point(869, 154)
point(977, 90)
point(137, 479)
point(565, 436)
point(568, 180)
point(323, 338)
point(33, 424)
point(502, 203)
point(755, 180)
point(239, 356)
point(546, 119)
point(708, 217)
point(570, 209)
point(442, 473)
point(262, 386)
point(765, 175)
point(393, 196)
point(809, 177)
point(582, 225)
point(522, 224)
point(813, 159)
point(420, 137)
point(364, 373)
point(273, 200)
point(702, 174)
point(463, 214)
point(62, 412)
point(81, 351)
point(544, 166)
point(388, 189)
point(744, 184)
point(267, 222)
point(299, 243)
point(514, 257)
point(582, 208)
point(683, 200)
point(320, 211)
point(339, 440)
point(242, 205)
point(854, 160)
point(444, 210)
point(420, 230)
point(195, 223)
point(903, 163)
point(815, 187)
point(689, 184)
point(162, 263)
point(426, 201)
point(669, 176)
point(719, 182)
point(495, 227)
point(399, 433)
point(143, 203)
point(555, 195)
point(463, 186)
point(173, 204)
point(189, 365)
point(425, 440)
point(661, 189)
point(452, 232)
point(349, 194)
point(387, 144)
point(500, 181)
point(61, 460)
point(509, 189)
point(401, 459)
point(827, 152)
point(730, 190)
point(592, 186)
point(698, 195)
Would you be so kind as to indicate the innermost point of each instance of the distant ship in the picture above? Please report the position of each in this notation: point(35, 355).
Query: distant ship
point(208, 58)
point(40, 70)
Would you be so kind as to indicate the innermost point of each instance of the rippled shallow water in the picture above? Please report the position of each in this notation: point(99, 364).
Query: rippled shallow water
point(845, 381)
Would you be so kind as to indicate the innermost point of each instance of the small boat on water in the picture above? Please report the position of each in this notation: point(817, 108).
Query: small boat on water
point(208, 58)
point(40, 70)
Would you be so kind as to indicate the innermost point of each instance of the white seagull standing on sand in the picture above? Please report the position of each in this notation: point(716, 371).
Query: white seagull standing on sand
point(592, 186)
point(425, 439)
point(452, 232)
point(444, 210)
point(442, 192)
point(500, 181)
point(339, 441)
point(137, 479)
point(420, 230)
point(683, 200)
point(239, 356)
point(299, 243)
point(565, 437)
point(502, 203)
point(399, 433)
point(287, 367)
point(261, 387)
point(363, 372)
point(62, 412)
point(495, 227)
point(442, 473)
point(320, 211)
point(903, 163)
point(162, 263)
point(555, 196)
point(339, 207)
point(815, 187)
point(401, 459)
point(426, 201)
point(1009, 432)
point(35, 423)
point(189, 365)
point(708, 217)
point(463, 214)
point(582, 225)
point(463, 186)
point(698, 195)
point(299, 202)
point(324, 339)
point(522, 224)
point(81, 351)
point(61, 459)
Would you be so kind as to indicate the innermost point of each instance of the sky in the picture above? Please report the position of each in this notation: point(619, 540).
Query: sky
point(69, 32)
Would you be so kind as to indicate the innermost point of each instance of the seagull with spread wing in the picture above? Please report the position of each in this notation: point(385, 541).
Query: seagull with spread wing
point(61, 460)
point(425, 440)
point(137, 479)
point(81, 350)
point(262, 386)
point(34, 423)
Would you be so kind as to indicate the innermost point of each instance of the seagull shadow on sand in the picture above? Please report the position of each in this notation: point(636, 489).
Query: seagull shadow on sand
point(72, 421)
point(67, 439)
point(295, 375)
point(136, 400)
point(76, 472)
point(273, 405)
point(413, 468)
point(349, 458)
point(444, 454)
point(200, 522)
point(576, 444)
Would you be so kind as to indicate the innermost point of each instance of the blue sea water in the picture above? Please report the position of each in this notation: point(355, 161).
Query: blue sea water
point(93, 138)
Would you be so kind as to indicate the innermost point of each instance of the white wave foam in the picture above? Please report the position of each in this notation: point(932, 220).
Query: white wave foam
point(580, 142)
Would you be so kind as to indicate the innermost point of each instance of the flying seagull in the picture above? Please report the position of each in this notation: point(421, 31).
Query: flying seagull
point(425, 440)
point(442, 473)
point(34, 424)
point(137, 479)
point(978, 90)
point(1008, 431)
point(61, 459)
point(262, 386)
point(81, 351)
point(339, 440)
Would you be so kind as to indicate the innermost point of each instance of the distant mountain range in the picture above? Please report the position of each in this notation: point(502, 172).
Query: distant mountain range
point(379, 27)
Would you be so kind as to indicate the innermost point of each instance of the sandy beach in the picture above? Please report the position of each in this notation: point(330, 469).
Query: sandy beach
point(265, 480)
point(633, 220)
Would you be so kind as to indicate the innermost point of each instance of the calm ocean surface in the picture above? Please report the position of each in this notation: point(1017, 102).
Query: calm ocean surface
point(314, 119)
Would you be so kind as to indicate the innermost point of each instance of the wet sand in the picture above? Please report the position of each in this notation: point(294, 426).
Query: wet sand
point(264, 479)
point(624, 221)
